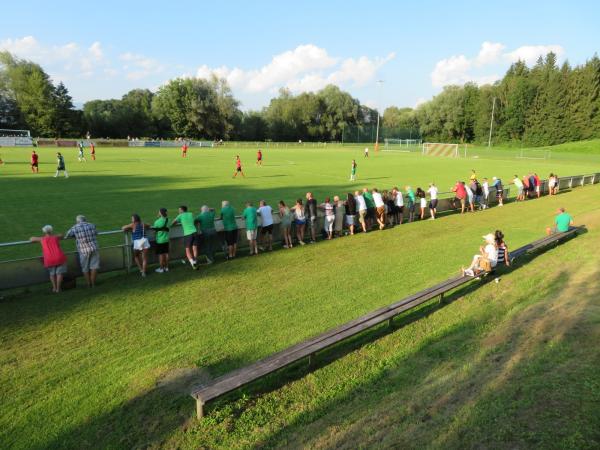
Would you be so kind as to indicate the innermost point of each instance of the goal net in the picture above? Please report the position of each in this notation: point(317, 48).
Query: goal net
point(15, 138)
point(440, 149)
point(402, 145)
point(534, 154)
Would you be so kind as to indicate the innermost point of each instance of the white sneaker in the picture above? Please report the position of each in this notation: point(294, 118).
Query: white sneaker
point(166, 269)
point(159, 270)
point(183, 261)
point(143, 274)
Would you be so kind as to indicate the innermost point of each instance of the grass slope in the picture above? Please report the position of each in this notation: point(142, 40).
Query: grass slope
point(512, 365)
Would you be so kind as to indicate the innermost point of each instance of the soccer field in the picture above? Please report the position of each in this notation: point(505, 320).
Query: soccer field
point(126, 180)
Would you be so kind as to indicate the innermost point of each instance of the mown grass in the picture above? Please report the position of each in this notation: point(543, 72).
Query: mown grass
point(511, 365)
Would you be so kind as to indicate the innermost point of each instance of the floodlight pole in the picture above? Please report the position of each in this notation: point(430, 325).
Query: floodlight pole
point(492, 123)
point(379, 82)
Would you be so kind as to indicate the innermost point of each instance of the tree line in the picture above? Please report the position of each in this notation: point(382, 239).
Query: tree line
point(540, 105)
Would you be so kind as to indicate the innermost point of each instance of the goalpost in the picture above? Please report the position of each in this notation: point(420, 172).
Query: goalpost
point(534, 154)
point(402, 145)
point(440, 149)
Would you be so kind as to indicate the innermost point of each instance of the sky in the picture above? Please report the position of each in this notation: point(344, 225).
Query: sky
point(385, 53)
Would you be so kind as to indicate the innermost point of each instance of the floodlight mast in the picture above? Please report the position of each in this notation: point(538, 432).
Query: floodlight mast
point(379, 82)
point(492, 123)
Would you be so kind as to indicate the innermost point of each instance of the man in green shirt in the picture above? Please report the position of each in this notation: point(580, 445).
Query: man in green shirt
point(563, 222)
point(410, 194)
point(370, 208)
point(230, 227)
point(190, 235)
point(206, 219)
point(249, 215)
point(161, 230)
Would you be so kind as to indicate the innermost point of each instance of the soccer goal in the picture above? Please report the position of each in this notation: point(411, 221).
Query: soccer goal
point(440, 149)
point(402, 145)
point(15, 138)
point(534, 154)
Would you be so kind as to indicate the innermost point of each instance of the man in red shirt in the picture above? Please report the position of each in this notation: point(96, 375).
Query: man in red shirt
point(34, 162)
point(538, 185)
point(238, 167)
point(461, 194)
point(259, 158)
point(184, 148)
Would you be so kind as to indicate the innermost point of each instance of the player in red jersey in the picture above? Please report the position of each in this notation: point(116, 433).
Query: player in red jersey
point(184, 148)
point(259, 157)
point(93, 151)
point(238, 167)
point(34, 162)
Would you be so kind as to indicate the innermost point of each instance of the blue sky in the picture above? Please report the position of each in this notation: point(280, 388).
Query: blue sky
point(102, 49)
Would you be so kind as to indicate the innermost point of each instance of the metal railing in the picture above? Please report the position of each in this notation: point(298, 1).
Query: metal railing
point(29, 271)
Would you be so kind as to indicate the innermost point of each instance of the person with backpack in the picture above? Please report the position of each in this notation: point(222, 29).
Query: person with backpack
point(161, 236)
point(499, 190)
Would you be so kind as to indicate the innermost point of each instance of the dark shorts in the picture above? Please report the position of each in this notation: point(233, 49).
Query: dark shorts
point(370, 213)
point(238, 169)
point(162, 249)
point(267, 230)
point(231, 237)
point(191, 240)
point(433, 204)
point(34, 164)
point(499, 194)
point(399, 209)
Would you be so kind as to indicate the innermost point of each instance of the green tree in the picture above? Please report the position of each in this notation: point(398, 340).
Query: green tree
point(67, 121)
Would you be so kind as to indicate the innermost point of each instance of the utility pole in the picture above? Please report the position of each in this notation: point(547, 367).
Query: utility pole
point(492, 123)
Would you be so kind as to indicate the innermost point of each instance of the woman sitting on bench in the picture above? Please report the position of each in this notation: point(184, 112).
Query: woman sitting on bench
point(486, 260)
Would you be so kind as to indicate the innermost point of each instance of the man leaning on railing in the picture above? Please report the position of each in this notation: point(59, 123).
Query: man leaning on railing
point(87, 247)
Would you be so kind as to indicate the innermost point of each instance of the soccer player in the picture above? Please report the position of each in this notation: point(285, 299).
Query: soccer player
point(366, 152)
point(184, 149)
point(353, 171)
point(1, 162)
point(60, 165)
point(34, 162)
point(238, 167)
point(93, 151)
point(259, 157)
point(81, 156)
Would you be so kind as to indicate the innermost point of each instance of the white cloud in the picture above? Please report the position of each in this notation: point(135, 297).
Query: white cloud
point(530, 53)
point(305, 68)
point(460, 69)
point(139, 66)
point(69, 60)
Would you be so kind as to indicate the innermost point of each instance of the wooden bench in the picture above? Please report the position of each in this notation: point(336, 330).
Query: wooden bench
point(307, 349)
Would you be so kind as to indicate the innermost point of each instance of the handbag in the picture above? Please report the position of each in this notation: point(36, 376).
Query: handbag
point(485, 265)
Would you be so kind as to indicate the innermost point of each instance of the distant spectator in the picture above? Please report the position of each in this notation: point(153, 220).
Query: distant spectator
point(208, 238)
point(520, 188)
point(311, 215)
point(299, 220)
point(87, 248)
point(422, 202)
point(485, 199)
point(551, 184)
point(379, 208)
point(526, 186)
point(478, 193)
point(531, 185)
point(140, 242)
point(370, 217)
point(161, 234)
point(361, 206)
point(285, 217)
point(410, 197)
point(250, 217)
point(433, 200)
point(190, 234)
point(230, 228)
point(473, 176)
point(350, 205)
point(388, 199)
point(327, 207)
point(339, 212)
point(460, 195)
point(266, 231)
point(486, 260)
point(562, 222)
point(399, 205)
point(470, 197)
point(55, 260)
point(497, 184)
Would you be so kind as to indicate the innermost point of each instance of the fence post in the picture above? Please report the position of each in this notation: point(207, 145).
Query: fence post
point(127, 251)
point(570, 182)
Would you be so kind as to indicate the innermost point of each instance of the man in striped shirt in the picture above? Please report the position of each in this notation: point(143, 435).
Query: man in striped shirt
point(87, 247)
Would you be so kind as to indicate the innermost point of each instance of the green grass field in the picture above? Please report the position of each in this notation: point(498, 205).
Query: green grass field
point(508, 365)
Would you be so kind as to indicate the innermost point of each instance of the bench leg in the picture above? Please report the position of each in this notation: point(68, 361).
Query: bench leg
point(199, 408)
point(311, 359)
point(441, 298)
point(390, 323)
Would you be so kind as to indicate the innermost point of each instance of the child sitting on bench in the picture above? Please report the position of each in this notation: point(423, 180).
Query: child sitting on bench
point(486, 260)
